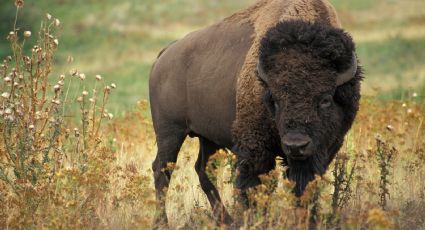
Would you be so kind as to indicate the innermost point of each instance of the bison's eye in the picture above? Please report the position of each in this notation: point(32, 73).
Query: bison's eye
point(326, 102)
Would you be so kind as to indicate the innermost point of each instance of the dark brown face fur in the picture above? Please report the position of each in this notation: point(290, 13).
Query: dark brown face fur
point(311, 113)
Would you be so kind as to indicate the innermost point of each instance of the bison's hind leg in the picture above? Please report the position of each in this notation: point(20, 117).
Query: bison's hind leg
point(206, 149)
point(169, 139)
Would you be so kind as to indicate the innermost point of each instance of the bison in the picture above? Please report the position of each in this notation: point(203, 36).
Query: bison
point(278, 79)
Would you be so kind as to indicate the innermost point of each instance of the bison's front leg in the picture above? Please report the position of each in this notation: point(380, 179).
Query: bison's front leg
point(249, 167)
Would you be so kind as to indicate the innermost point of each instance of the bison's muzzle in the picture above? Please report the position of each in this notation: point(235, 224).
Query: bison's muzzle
point(297, 146)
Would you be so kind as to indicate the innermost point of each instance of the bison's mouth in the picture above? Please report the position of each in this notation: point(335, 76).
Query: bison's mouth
point(303, 170)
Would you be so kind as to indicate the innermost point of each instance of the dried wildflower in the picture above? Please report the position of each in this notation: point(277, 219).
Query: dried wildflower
point(61, 82)
point(56, 88)
point(390, 127)
point(12, 35)
point(27, 34)
point(19, 3)
point(113, 86)
point(409, 111)
point(98, 77)
point(107, 88)
point(110, 115)
point(56, 41)
point(57, 22)
point(92, 100)
point(31, 127)
point(48, 16)
point(85, 93)
point(73, 72)
point(70, 59)
point(7, 79)
point(404, 105)
point(5, 95)
point(80, 99)
point(82, 76)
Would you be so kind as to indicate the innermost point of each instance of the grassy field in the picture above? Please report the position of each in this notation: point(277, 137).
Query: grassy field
point(120, 40)
point(108, 184)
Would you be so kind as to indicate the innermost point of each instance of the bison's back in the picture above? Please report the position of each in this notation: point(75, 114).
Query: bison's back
point(193, 82)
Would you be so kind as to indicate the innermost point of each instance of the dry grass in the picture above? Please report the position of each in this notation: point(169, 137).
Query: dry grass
point(63, 170)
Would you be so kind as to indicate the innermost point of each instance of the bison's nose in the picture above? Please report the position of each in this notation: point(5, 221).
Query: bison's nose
point(297, 146)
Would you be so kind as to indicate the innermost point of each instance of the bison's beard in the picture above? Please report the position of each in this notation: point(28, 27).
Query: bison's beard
point(303, 172)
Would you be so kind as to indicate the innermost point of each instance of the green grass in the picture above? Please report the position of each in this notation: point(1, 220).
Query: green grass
point(120, 39)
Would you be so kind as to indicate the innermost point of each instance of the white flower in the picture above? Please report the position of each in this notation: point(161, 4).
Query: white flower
point(98, 77)
point(48, 16)
point(113, 86)
point(85, 93)
point(7, 79)
point(56, 41)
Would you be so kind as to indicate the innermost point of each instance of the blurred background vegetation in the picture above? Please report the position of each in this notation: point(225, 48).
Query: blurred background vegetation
point(120, 39)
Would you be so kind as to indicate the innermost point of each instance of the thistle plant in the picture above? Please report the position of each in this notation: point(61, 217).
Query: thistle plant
point(46, 159)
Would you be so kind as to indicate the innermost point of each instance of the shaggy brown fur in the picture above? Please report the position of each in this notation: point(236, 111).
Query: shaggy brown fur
point(250, 124)
point(206, 85)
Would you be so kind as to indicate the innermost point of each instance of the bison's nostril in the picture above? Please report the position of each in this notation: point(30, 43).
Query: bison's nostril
point(296, 144)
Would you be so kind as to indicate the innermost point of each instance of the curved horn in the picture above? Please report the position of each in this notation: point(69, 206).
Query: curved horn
point(349, 74)
point(261, 73)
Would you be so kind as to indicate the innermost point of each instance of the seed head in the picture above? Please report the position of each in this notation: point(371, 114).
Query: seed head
point(113, 86)
point(80, 99)
point(56, 88)
point(82, 76)
point(98, 77)
point(57, 22)
point(19, 3)
point(7, 79)
point(85, 93)
point(56, 41)
point(27, 34)
point(48, 16)
point(31, 127)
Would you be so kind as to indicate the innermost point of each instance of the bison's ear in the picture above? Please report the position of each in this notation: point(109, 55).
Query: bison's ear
point(261, 73)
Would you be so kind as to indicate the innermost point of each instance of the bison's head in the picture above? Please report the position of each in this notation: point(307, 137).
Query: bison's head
point(311, 88)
